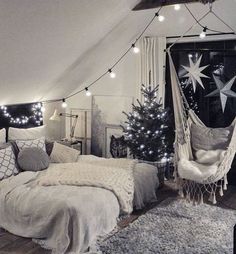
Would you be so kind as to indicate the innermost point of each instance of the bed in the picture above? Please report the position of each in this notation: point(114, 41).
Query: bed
point(69, 216)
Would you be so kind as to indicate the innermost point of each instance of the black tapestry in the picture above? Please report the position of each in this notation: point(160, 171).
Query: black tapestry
point(21, 116)
point(211, 89)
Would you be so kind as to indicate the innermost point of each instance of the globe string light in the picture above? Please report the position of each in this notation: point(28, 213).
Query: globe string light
point(135, 49)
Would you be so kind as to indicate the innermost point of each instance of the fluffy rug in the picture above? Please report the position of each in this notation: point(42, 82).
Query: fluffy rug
point(176, 227)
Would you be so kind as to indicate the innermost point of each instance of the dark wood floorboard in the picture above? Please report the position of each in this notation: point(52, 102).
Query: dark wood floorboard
point(11, 244)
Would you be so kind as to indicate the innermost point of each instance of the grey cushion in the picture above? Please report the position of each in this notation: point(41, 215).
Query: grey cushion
point(204, 138)
point(33, 159)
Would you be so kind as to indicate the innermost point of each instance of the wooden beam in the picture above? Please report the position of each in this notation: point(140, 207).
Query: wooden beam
point(149, 4)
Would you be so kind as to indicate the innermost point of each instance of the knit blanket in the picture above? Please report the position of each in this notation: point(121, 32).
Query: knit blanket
point(118, 179)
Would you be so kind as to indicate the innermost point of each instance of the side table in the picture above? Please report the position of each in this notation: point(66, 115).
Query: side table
point(75, 144)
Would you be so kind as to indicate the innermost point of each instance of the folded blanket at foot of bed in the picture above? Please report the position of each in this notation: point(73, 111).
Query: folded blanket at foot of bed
point(118, 180)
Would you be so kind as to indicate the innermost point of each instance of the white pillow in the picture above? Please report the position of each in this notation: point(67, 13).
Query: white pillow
point(210, 157)
point(39, 143)
point(7, 163)
point(63, 154)
point(2, 136)
point(26, 134)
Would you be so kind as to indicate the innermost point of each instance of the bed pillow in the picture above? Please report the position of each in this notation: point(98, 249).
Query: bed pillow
point(204, 138)
point(33, 159)
point(63, 154)
point(26, 134)
point(7, 163)
point(39, 143)
point(2, 136)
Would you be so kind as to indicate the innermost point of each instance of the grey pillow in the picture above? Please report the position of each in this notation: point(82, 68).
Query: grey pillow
point(204, 138)
point(33, 159)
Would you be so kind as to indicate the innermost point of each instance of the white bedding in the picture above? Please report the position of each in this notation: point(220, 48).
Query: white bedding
point(66, 218)
point(60, 216)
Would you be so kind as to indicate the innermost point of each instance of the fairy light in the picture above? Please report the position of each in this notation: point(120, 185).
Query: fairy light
point(136, 50)
point(161, 18)
point(36, 117)
point(177, 7)
point(111, 73)
point(203, 33)
point(87, 92)
point(64, 104)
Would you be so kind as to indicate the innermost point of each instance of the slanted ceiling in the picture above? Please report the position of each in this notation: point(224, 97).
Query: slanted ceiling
point(50, 48)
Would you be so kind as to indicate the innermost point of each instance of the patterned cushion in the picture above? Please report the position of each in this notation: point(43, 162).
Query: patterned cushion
point(2, 136)
point(39, 143)
point(7, 163)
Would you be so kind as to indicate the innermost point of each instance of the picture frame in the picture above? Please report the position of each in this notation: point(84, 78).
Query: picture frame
point(107, 110)
point(115, 131)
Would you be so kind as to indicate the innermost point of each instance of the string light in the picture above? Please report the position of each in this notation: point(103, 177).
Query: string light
point(135, 49)
point(161, 18)
point(203, 33)
point(64, 104)
point(112, 74)
point(88, 93)
point(177, 7)
point(23, 120)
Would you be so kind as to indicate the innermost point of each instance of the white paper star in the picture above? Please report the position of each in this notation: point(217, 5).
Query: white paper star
point(224, 90)
point(195, 73)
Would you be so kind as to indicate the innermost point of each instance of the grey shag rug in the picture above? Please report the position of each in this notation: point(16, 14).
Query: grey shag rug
point(176, 227)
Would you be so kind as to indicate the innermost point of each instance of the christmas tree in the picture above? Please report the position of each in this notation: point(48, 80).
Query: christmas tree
point(147, 130)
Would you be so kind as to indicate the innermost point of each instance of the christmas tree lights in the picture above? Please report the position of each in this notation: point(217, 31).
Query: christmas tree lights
point(147, 128)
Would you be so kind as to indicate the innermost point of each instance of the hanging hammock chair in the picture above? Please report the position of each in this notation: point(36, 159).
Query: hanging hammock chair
point(203, 156)
point(202, 172)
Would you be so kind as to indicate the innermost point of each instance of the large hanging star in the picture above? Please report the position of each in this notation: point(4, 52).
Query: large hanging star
point(195, 73)
point(224, 90)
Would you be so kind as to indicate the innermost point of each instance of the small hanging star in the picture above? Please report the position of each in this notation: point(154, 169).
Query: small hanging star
point(224, 90)
point(195, 73)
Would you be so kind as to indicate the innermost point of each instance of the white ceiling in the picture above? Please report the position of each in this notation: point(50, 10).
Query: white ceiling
point(48, 48)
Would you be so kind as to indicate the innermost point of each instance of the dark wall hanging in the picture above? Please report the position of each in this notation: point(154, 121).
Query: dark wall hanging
point(215, 99)
point(21, 116)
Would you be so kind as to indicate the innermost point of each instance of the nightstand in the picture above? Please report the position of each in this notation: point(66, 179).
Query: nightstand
point(75, 144)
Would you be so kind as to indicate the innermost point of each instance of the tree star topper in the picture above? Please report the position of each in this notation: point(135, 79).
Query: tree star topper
point(224, 90)
point(195, 73)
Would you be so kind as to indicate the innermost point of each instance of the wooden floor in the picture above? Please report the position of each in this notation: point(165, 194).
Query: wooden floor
point(11, 244)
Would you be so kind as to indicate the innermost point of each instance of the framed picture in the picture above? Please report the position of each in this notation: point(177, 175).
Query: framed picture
point(114, 143)
point(107, 111)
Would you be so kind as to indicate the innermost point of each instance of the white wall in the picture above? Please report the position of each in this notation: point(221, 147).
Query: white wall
point(125, 84)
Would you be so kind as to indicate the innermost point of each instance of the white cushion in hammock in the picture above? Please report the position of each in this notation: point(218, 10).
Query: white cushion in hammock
point(195, 171)
point(210, 157)
point(206, 165)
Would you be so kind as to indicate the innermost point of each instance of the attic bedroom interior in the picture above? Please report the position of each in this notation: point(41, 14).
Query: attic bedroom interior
point(117, 127)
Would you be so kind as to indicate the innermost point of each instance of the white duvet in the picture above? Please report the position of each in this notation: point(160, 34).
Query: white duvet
point(67, 219)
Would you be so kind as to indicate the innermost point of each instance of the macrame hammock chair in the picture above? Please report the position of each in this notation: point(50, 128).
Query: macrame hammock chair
point(194, 189)
point(208, 182)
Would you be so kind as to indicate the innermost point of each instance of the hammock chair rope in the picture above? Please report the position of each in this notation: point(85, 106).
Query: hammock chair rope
point(195, 190)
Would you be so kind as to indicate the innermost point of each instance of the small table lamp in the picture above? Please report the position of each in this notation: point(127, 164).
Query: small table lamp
point(56, 117)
